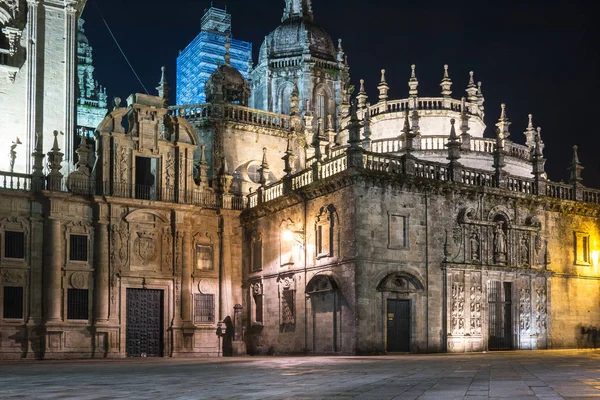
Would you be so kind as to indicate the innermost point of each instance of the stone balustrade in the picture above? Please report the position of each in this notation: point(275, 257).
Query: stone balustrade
point(334, 166)
point(481, 145)
point(386, 146)
point(192, 111)
point(256, 117)
point(591, 196)
point(15, 181)
point(561, 191)
point(423, 103)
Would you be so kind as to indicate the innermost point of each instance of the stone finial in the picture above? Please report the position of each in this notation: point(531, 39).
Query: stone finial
point(406, 128)
point(530, 133)
point(295, 100)
point(464, 126)
point(288, 158)
point(227, 56)
point(446, 83)
point(341, 57)
point(472, 89)
point(383, 87)
point(503, 124)
point(480, 98)
point(116, 103)
point(576, 168)
point(353, 128)
point(55, 159)
point(264, 169)
point(163, 87)
point(454, 151)
point(413, 83)
point(362, 95)
point(366, 142)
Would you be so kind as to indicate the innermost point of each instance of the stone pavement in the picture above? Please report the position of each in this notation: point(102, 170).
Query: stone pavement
point(569, 374)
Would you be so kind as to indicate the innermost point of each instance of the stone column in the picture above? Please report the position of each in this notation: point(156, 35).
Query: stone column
point(53, 267)
point(32, 39)
point(186, 281)
point(70, 78)
point(101, 273)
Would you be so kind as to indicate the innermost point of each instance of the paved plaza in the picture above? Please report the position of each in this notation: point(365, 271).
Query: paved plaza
point(508, 375)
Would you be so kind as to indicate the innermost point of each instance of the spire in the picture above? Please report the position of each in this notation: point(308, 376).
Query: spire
point(227, 53)
point(503, 124)
point(383, 87)
point(472, 89)
point(576, 167)
point(413, 83)
point(446, 83)
point(362, 95)
point(298, 9)
point(480, 98)
point(264, 169)
point(341, 56)
point(454, 152)
point(163, 87)
point(288, 158)
point(366, 143)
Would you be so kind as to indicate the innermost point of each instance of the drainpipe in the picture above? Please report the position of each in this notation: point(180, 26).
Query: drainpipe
point(427, 270)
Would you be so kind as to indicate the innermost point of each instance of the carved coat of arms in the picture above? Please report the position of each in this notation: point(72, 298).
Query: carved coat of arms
point(145, 246)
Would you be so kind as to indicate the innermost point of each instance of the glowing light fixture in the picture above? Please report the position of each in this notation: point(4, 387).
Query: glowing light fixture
point(289, 235)
point(595, 256)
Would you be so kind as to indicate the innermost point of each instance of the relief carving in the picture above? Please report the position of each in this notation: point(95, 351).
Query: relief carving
point(79, 280)
point(123, 164)
point(475, 297)
point(119, 245)
point(474, 245)
point(540, 308)
point(525, 249)
point(458, 308)
point(499, 243)
point(170, 171)
point(525, 309)
point(14, 276)
point(145, 246)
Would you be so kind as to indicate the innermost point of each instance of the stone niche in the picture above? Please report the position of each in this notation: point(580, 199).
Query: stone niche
point(149, 234)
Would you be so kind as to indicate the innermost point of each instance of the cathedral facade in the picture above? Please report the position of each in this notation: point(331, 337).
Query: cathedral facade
point(283, 216)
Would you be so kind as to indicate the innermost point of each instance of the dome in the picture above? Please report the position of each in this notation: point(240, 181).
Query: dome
point(227, 84)
point(291, 37)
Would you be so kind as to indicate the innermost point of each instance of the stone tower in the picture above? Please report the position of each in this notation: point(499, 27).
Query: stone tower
point(299, 52)
point(38, 46)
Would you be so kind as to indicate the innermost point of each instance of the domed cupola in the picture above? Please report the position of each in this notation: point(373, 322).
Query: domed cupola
point(298, 34)
point(227, 84)
point(295, 47)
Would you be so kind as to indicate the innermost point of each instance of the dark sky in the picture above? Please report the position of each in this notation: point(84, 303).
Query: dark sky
point(538, 57)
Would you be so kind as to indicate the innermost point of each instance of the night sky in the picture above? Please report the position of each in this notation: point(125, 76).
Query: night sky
point(538, 57)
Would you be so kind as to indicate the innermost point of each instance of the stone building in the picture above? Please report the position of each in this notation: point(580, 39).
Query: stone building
point(402, 226)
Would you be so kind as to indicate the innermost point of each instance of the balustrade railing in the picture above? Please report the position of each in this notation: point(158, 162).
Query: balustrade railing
point(15, 181)
point(591, 196)
point(481, 145)
point(520, 185)
point(477, 178)
point(431, 170)
point(382, 163)
point(334, 166)
point(256, 117)
point(560, 191)
point(434, 142)
point(192, 111)
point(386, 146)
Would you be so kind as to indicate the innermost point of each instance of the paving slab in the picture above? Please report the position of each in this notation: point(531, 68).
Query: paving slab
point(556, 374)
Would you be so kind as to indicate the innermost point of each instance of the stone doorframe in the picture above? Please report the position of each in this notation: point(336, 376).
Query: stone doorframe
point(405, 286)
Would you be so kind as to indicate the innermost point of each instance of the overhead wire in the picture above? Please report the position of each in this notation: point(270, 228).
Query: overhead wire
point(119, 46)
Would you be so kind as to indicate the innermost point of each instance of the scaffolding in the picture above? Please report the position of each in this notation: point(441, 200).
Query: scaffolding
point(199, 60)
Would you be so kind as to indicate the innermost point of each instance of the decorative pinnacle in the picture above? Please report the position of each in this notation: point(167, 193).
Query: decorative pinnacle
point(383, 87)
point(453, 135)
point(472, 88)
point(446, 83)
point(413, 83)
point(503, 124)
point(406, 129)
point(227, 48)
point(576, 155)
point(163, 87)
point(362, 85)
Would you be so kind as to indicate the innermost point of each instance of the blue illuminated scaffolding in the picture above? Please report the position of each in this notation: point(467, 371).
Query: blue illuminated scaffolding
point(199, 60)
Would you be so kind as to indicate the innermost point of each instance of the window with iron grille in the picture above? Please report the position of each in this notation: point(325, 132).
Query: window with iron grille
point(78, 248)
point(14, 245)
point(77, 304)
point(13, 302)
point(204, 308)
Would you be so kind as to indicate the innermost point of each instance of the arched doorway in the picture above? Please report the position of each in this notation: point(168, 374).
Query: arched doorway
point(324, 317)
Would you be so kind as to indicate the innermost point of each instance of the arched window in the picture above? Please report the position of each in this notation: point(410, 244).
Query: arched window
point(286, 94)
point(321, 105)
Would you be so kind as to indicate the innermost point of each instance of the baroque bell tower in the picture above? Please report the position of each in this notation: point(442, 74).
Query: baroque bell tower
point(38, 75)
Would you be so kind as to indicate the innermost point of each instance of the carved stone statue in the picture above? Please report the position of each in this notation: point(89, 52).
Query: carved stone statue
point(499, 243)
point(474, 246)
point(525, 250)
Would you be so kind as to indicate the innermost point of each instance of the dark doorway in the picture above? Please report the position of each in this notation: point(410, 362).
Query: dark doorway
point(145, 178)
point(398, 325)
point(144, 323)
point(500, 318)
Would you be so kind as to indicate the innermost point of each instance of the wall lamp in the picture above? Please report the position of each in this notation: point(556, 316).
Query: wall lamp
point(295, 235)
point(595, 256)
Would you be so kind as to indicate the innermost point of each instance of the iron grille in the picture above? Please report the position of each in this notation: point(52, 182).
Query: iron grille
point(204, 308)
point(78, 248)
point(13, 302)
point(14, 245)
point(77, 304)
point(500, 316)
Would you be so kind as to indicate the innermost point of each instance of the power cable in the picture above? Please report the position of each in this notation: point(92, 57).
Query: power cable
point(119, 46)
